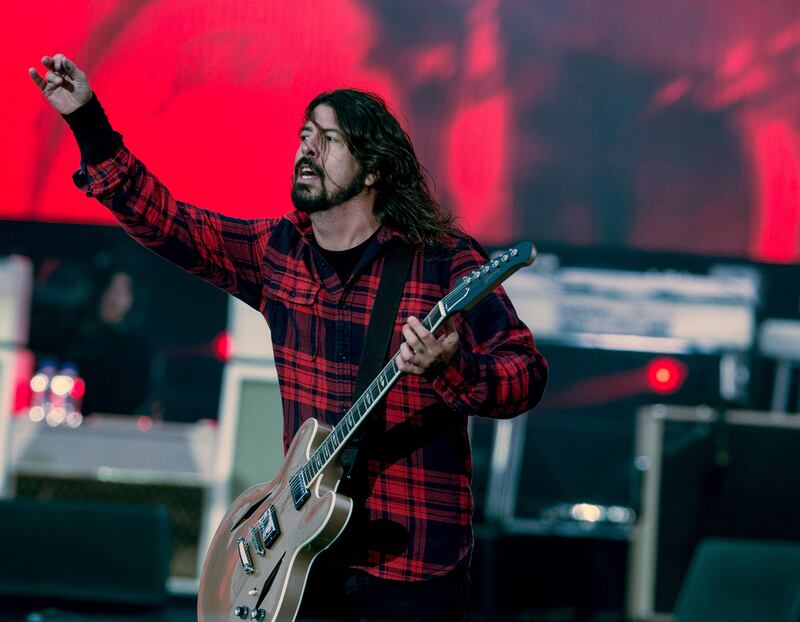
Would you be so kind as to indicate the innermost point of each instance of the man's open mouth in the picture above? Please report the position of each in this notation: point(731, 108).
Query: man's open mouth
point(307, 172)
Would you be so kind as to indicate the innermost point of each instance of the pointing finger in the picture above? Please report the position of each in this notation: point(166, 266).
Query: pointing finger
point(39, 80)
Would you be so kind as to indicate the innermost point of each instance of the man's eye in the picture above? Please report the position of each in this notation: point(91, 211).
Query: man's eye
point(333, 138)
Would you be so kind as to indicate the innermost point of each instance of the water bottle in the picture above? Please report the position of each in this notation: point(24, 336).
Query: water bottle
point(40, 390)
point(66, 394)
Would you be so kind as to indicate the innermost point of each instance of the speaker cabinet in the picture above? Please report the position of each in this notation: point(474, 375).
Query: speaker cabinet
point(708, 474)
point(84, 552)
point(117, 461)
point(579, 441)
point(741, 581)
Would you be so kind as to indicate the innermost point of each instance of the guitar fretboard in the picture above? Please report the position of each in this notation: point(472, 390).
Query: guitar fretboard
point(384, 381)
point(470, 288)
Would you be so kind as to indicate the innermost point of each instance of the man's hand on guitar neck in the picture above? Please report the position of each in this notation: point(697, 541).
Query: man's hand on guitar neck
point(422, 352)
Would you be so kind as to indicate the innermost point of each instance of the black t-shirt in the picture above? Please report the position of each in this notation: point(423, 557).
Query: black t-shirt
point(344, 262)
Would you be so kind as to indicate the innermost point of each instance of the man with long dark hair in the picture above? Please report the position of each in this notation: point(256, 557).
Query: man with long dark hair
point(314, 274)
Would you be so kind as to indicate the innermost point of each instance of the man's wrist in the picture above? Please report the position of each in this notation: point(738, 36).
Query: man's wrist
point(96, 139)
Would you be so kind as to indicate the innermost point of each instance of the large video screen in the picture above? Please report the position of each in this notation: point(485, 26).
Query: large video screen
point(649, 125)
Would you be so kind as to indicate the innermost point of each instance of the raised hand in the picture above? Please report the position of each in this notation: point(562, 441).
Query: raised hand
point(64, 85)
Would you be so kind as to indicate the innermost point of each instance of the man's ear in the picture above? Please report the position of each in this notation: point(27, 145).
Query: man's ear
point(370, 179)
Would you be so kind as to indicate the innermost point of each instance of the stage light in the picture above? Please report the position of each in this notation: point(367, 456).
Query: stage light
point(36, 413)
point(666, 375)
point(62, 384)
point(78, 389)
point(620, 515)
point(39, 383)
point(587, 512)
point(56, 416)
point(223, 345)
point(143, 424)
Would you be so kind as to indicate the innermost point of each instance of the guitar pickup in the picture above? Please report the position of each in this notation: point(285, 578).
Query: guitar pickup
point(268, 527)
point(244, 556)
point(299, 490)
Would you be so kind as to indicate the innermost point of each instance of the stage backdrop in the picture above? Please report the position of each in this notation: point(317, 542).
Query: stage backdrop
point(653, 125)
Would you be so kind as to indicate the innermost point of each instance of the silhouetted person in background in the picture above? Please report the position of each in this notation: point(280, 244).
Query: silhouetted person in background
point(111, 350)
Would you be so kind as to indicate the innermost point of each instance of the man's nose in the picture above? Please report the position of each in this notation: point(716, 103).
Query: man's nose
point(310, 145)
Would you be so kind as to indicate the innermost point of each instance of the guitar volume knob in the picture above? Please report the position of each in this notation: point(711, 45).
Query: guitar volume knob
point(241, 612)
point(258, 615)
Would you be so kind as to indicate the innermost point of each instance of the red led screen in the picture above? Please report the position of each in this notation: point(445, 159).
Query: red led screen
point(652, 125)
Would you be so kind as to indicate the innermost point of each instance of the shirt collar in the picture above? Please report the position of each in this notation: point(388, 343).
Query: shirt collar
point(302, 222)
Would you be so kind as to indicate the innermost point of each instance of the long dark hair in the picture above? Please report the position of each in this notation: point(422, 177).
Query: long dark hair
point(404, 200)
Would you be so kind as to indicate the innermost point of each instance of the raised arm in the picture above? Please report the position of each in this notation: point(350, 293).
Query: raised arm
point(226, 252)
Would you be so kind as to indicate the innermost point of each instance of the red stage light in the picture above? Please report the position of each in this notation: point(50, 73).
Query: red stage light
point(666, 375)
point(78, 389)
point(223, 344)
point(144, 424)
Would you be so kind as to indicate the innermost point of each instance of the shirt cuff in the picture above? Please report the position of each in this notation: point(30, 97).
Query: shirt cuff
point(99, 180)
point(96, 139)
point(457, 377)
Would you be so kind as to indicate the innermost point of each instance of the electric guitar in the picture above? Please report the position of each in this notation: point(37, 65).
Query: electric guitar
point(259, 559)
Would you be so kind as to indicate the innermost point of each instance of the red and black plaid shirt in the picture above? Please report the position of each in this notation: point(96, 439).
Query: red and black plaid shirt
point(419, 468)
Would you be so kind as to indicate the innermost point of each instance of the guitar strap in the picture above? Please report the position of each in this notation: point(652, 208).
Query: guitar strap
point(376, 347)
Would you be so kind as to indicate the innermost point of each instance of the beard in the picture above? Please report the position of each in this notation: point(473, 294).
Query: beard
point(308, 199)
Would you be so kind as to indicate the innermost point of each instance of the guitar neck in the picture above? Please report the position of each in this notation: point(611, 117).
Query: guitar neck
point(470, 290)
point(364, 405)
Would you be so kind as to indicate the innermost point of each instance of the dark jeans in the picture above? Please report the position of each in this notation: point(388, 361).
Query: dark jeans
point(335, 593)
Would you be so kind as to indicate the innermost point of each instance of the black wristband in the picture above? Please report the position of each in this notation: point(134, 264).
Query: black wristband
point(97, 140)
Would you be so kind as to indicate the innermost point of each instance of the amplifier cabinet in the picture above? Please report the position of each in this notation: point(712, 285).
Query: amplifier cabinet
point(578, 445)
point(707, 473)
point(124, 462)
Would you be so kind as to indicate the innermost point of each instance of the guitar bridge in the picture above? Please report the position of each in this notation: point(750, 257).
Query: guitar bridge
point(255, 539)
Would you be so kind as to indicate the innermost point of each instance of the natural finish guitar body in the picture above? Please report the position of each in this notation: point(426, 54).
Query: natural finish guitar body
point(239, 581)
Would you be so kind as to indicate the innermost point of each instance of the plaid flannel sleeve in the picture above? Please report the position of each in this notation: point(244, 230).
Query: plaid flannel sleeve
point(497, 371)
point(227, 252)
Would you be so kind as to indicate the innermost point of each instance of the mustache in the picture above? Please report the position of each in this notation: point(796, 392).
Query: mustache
point(306, 161)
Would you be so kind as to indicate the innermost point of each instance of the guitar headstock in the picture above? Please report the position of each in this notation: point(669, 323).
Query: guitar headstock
point(478, 283)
